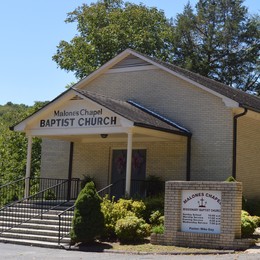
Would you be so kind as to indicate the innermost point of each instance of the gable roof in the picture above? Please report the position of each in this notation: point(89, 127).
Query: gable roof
point(243, 99)
point(131, 111)
point(136, 113)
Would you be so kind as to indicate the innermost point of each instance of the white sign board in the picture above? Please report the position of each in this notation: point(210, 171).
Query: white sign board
point(201, 211)
point(77, 114)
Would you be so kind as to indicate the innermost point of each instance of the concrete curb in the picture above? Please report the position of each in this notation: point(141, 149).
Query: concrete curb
point(208, 252)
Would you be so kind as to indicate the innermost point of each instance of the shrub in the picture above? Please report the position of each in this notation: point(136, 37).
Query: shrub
point(154, 186)
point(49, 195)
point(230, 179)
point(248, 224)
point(88, 220)
point(10, 199)
point(156, 218)
point(153, 204)
point(252, 206)
point(86, 179)
point(158, 229)
point(113, 211)
point(131, 229)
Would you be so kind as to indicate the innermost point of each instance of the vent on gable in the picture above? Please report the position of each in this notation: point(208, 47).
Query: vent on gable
point(131, 61)
point(76, 98)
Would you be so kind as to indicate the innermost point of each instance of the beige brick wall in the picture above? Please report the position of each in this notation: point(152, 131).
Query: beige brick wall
point(248, 156)
point(55, 159)
point(230, 234)
point(203, 114)
point(164, 159)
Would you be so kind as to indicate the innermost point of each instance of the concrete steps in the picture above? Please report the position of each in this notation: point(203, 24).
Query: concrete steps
point(38, 231)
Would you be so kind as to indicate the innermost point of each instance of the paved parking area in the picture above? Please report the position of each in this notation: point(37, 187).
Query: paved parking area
point(18, 252)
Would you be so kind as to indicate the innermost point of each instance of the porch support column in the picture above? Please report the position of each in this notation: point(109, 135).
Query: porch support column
point(128, 163)
point(28, 167)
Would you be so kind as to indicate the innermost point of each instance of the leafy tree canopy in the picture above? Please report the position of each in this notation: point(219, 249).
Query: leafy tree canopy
point(221, 41)
point(13, 145)
point(109, 27)
point(218, 40)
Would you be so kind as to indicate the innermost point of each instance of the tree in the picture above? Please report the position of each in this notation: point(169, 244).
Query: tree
point(108, 27)
point(219, 41)
point(13, 145)
point(88, 220)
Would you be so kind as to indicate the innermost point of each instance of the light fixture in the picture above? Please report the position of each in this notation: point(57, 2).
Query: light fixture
point(104, 135)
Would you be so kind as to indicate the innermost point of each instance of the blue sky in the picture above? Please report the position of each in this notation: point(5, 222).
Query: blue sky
point(30, 32)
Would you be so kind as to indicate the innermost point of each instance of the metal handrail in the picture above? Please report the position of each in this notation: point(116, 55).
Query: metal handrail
point(34, 212)
point(12, 182)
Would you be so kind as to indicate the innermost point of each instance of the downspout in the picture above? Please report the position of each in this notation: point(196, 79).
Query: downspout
point(234, 163)
point(188, 160)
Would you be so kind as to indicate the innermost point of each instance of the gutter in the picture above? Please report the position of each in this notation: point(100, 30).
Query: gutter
point(234, 163)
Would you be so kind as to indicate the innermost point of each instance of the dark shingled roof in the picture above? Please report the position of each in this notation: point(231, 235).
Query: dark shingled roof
point(139, 116)
point(243, 98)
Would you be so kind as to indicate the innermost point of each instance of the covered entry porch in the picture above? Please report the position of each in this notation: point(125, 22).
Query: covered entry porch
point(111, 141)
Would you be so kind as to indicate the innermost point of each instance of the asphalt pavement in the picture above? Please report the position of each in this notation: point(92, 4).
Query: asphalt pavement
point(19, 252)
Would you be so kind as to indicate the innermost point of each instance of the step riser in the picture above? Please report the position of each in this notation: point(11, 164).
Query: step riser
point(45, 232)
point(34, 238)
point(29, 243)
point(40, 231)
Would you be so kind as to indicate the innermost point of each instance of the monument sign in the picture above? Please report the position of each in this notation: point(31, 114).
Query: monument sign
point(201, 211)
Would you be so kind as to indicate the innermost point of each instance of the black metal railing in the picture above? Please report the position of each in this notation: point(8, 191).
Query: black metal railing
point(139, 189)
point(65, 217)
point(45, 194)
point(32, 206)
point(12, 191)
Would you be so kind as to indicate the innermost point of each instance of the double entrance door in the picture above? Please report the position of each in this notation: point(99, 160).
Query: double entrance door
point(118, 172)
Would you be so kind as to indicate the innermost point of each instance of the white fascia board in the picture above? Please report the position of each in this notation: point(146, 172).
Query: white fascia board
point(82, 83)
point(21, 127)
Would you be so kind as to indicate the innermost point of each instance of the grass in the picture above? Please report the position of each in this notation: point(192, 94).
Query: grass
point(145, 247)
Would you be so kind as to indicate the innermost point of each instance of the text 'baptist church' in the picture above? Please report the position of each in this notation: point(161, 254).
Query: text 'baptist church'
point(78, 118)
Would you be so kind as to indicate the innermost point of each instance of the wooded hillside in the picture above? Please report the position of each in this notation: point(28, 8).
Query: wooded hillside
point(13, 145)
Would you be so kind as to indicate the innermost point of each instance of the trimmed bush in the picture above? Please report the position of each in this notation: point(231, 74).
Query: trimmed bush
point(88, 220)
point(158, 229)
point(86, 179)
point(230, 179)
point(113, 211)
point(248, 224)
point(131, 229)
point(153, 204)
point(156, 218)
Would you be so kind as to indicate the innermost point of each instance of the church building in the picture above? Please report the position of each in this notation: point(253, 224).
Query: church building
point(137, 117)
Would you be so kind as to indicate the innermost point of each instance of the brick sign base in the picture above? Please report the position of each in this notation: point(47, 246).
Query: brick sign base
point(191, 206)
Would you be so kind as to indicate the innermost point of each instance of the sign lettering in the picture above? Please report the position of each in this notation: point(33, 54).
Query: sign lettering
point(201, 211)
point(78, 118)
